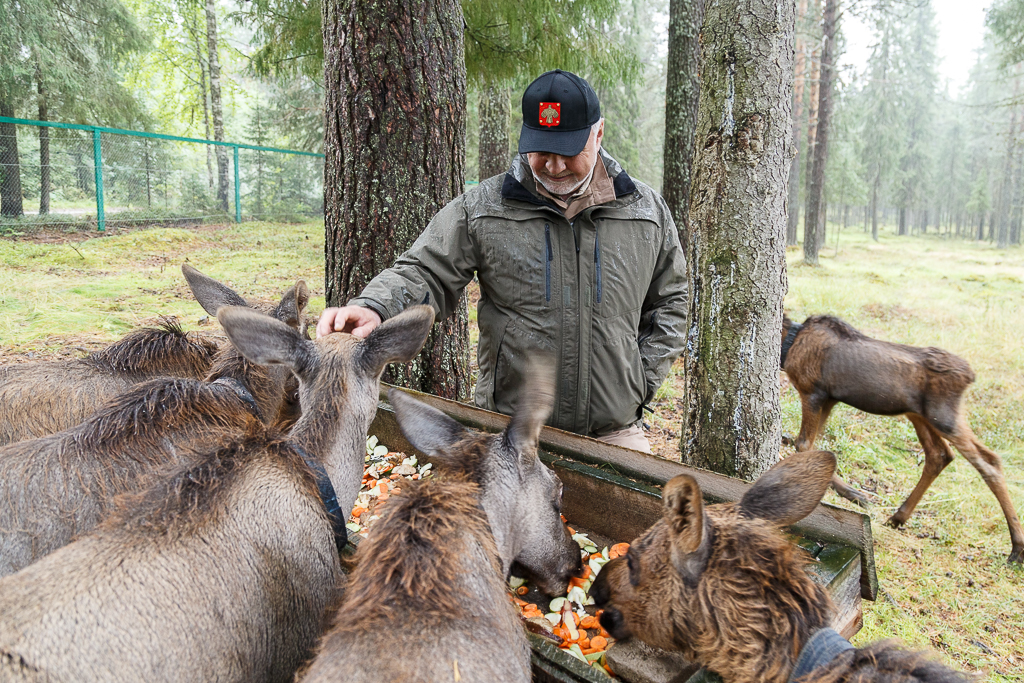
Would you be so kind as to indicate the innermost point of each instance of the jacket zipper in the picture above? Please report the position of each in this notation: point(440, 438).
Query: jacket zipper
point(597, 264)
point(547, 264)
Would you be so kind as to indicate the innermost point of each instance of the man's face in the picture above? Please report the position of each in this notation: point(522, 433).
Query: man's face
point(563, 175)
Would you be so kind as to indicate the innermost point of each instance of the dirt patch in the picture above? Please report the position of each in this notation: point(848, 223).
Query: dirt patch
point(887, 312)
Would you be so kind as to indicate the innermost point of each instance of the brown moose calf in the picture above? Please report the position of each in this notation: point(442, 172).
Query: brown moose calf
point(224, 571)
point(58, 486)
point(830, 362)
point(430, 584)
point(721, 585)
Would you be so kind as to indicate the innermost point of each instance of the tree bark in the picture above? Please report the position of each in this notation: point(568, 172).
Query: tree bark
point(874, 207)
point(206, 104)
point(816, 198)
point(738, 245)
point(216, 106)
point(10, 166)
point(1006, 191)
point(494, 106)
point(395, 81)
point(813, 76)
point(799, 80)
point(682, 96)
point(44, 148)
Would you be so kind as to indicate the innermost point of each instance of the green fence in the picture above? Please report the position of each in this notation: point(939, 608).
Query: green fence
point(62, 176)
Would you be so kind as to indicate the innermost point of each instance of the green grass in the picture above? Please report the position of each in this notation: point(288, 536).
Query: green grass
point(105, 286)
point(944, 582)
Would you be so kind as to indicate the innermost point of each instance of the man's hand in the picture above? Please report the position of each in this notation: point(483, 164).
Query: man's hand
point(355, 320)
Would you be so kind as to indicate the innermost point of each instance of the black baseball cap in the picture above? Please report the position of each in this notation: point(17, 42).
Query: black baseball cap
point(559, 108)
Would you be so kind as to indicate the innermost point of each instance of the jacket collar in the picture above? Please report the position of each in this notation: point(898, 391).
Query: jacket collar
point(519, 184)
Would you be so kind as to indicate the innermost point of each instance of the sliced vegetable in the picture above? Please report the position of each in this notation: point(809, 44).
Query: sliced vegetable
point(556, 604)
point(515, 581)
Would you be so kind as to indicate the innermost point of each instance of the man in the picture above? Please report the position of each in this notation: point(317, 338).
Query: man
point(574, 258)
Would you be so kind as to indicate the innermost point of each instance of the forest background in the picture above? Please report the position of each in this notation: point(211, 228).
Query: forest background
point(906, 147)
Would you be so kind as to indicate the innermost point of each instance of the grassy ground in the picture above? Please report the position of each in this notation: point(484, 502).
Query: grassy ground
point(944, 582)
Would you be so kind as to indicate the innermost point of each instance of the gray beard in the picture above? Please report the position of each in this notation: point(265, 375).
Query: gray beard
point(559, 192)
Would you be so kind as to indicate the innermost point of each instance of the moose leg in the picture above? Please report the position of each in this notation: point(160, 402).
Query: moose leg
point(936, 456)
point(816, 411)
point(990, 466)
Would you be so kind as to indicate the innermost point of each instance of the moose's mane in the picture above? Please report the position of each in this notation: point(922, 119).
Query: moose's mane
point(134, 424)
point(757, 604)
point(839, 327)
point(410, 559)
point(885, 662)
point(193, 496)
point(164, 349)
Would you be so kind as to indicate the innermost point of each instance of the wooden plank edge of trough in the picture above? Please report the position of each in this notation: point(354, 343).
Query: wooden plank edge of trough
point(826, 523)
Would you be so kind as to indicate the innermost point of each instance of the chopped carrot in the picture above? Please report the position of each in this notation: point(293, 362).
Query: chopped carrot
point(605, 634)
point(583, 642)
point(532, 607)
point(586, 572)
point(564, 520)
point(589, 622)
point(612, 555)
point(609, 670)
point(395, 476)
point(395, 491)
point(599, 642)
point(589, 650)
point(521, 603)
point(571, 530)
point(620, 548)
point(382, 497)
point(358, 511)
point(576, 619)
point(522, 590)
point(558, 632)
point(415, 477)
point(576, 581)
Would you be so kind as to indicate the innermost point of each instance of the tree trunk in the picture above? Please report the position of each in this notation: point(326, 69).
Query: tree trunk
point(737, 254)
point(395, 81)
point(1006, 191)
point(813, 76)
point(215, 105)
point(815, 220)
point(902, 221)
point(799, 79)
point(874, 207)
point(494, 104)
point(682, 96)
point(206, 106)
point(10, 165)
point(44, 149)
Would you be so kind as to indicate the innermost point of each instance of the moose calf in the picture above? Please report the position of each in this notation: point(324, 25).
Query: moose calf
point(45, 397)
point(721, 585)
point(830, 362)
point(224, 571)
point(430, 581)
point(55, 487)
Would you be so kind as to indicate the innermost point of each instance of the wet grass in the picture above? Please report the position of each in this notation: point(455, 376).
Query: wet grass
point(944, 581)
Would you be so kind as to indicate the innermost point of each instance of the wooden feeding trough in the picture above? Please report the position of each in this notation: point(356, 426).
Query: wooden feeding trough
point(615, 493)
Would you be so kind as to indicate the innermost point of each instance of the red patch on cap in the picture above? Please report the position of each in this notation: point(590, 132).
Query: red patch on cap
point(550, 113)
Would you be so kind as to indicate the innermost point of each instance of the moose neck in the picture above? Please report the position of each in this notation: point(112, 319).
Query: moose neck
point(333, 431)
point(501, 515)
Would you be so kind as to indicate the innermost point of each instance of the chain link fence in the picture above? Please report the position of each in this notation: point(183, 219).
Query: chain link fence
point(65, 177)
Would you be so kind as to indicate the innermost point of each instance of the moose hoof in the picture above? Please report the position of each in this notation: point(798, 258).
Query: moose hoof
point(788, 439)
point(895, 523)
point(855, 496)
point(1016, 556)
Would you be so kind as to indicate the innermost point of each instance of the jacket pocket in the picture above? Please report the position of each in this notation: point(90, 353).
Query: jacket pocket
point(617, 385)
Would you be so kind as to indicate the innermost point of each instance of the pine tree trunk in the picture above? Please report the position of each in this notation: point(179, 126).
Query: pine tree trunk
point(206, 108)
point(813, 76)
point(902, 221)
point(738, 253)
point(815, 222)
point(1006, 190)
point(395, 98)
point(10, 166)
point(44, 149)
point(682, 96)
point(216, 106)
point(799, 80)
point(494, 105)
point(874, 207)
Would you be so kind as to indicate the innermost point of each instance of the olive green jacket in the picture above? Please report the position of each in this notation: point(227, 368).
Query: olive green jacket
point(604, 294)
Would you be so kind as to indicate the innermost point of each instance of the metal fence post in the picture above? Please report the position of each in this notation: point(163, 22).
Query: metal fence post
point(97, 162)
point(238, 202)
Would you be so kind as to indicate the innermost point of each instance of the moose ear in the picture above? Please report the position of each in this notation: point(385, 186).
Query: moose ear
point(210, 294)
point(428, 429)
point(683, 511)
point(292, 304)
point(791, 489)
point(396, 340)
point(266, 341)
point(536, 398)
